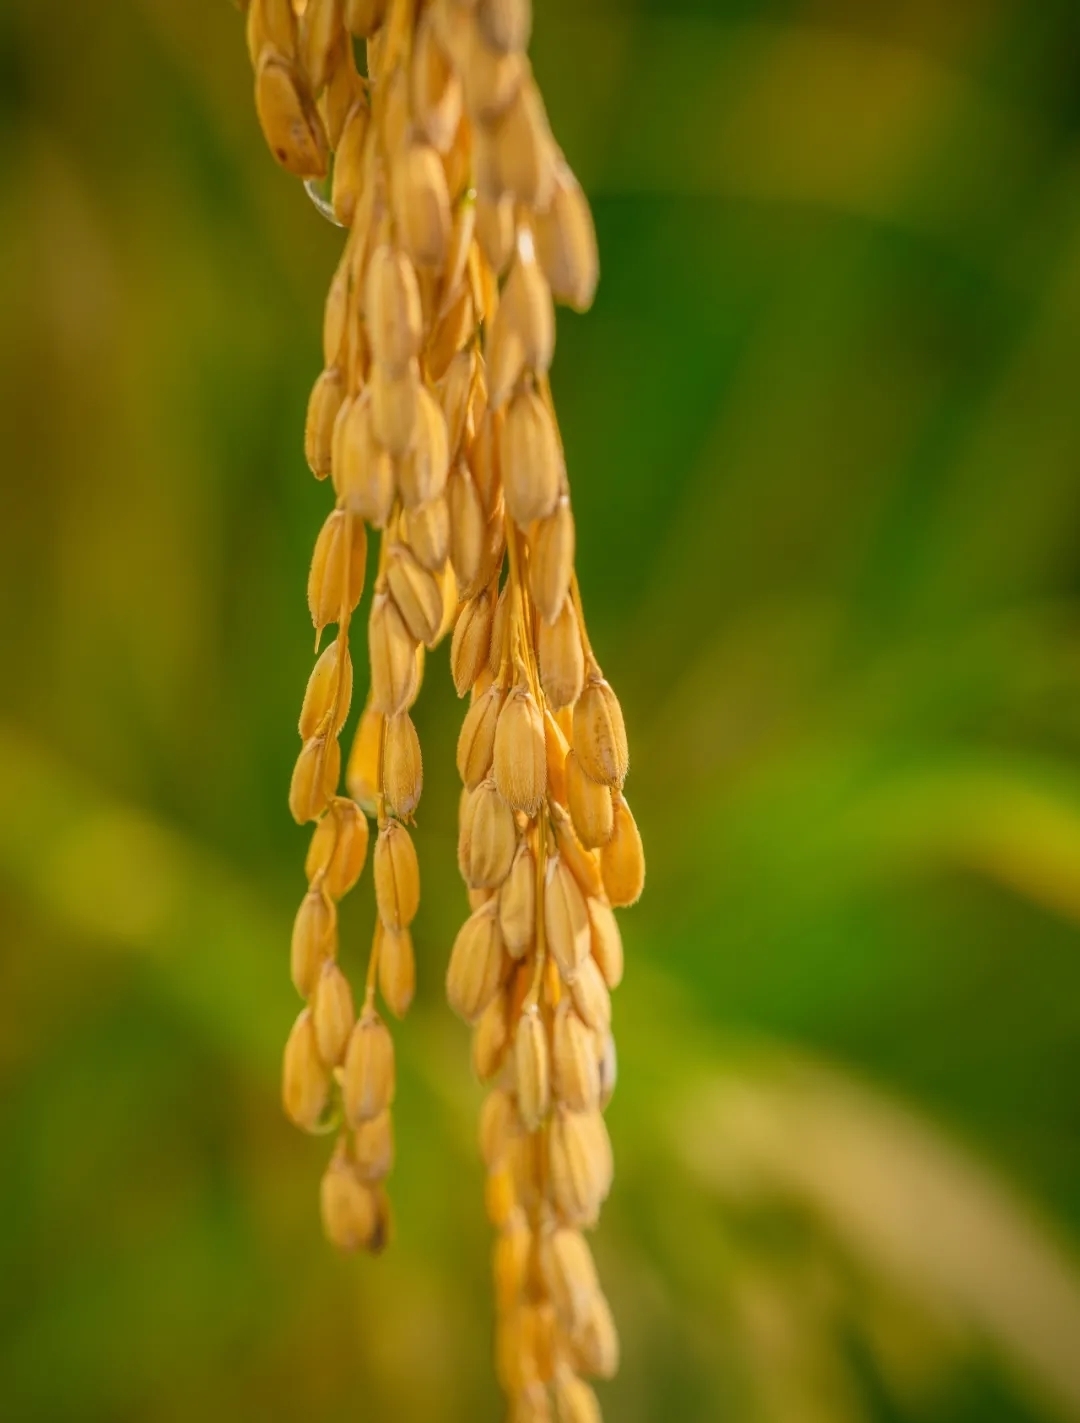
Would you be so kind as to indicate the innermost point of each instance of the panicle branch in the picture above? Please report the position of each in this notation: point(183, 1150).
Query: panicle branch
point(433, 419)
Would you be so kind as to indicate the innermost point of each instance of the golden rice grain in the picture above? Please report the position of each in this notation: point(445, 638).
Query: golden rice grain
point(576, 1173)
point(363, 471)
point(532, 1069)
point(505, 24)
point(392, 649)
point(576, 1073)
point(392, 309)
point(363, 771)
point(566, 920)
point(475, 969)
point(557, 748)
point(491, 1038)
point(454, 393)
point(500, 625)
point(338, 847)
point(476, 741)
point(485, 458)
point(517, 903)
point(373, 1148)
point(328, 694)
point(606, 942)
point(566, 243)
point(384, 1221)
point(590, 806)
point(397, 968)
point(488, 838)
point(336, 312)
point(336, 578)
point(500, 1191)
point(341, 433)
point(416, 592)
point(471, 641)
point(271, 23)
point(349, 153)
point(495, 230)
point(525, 310)
point(490, 81)
point(591, 997)
point(349, 1210)
point(455, 272)
point(435, 88)
point(596, 1130)
point(314, 778)
point(305, 1078)
point(489, 183)
point(529, 458)
point(448, 588)
point(560, 657)
point(394, 407)
point(515, 1366)
point(511, 1260)
point(596, 1345)
point(525, 152)
point(323, 407)
point(290, 122)
point(520, 759)
point(333, 1014)
point(551, 562)
point(622, 860)
point(427, 532)
point(498, 1122)
point(403, 765)
point(369, 1078)
point(524, 1160)
point(457, 161)
point(314, 939)
point(344, 88)
point(600, 734)
point(421, 204)
point(500, 1198)
point(396, 121)
point(567, 1269)
point(397, 876)
point(424, 469)
point(504, 360)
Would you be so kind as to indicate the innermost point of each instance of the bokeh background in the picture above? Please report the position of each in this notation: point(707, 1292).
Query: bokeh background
point(823, 426)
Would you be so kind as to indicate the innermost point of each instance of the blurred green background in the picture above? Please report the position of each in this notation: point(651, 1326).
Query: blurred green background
point(823, 426)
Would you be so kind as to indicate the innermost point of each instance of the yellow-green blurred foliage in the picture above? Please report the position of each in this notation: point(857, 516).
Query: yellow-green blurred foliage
point(823, 426)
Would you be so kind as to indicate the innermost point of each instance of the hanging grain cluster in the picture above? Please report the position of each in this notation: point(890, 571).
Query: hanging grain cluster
point(433, 420)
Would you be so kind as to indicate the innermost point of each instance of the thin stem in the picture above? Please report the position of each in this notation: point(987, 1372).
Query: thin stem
point(575, 594)
point(384, 551)
point(398, 35)
point(373, 966)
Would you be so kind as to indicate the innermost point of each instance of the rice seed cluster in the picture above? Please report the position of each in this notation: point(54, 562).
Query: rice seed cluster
point(433, 420)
